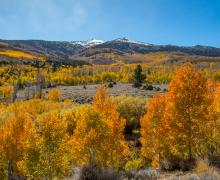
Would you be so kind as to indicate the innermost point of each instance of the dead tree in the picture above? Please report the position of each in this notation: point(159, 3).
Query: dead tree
point(39, 78)
point(27, 91)
point(14, 93)
point(11, 173)
point(10, 170)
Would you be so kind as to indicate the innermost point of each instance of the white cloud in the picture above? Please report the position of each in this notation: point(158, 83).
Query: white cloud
point(45, 17)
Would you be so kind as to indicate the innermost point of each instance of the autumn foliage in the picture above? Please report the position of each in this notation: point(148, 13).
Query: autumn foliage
point(181, 123)
point(45, 138)
point(154, 129)
point(98, 129)
point(20, 54)
point(17, 135)
point(54, 95)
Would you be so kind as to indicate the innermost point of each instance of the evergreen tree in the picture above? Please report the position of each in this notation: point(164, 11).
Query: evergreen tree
point(138, 76)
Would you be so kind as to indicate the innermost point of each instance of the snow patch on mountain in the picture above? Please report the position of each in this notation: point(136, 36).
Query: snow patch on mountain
point(88, 43)
point(130, 41)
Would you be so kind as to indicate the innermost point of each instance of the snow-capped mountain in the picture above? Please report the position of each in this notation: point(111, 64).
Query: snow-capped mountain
point(94, 42)
point(126, 40)
point(88, 43)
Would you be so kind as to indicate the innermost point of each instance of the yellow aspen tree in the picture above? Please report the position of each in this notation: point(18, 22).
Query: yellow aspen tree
point(98, 136)
point(92, 140)
point(104, 104)
point(216, 125)
point(16, 135)
point(189, 100)
point(89, 137)
point(54, 148)
point(154, 130)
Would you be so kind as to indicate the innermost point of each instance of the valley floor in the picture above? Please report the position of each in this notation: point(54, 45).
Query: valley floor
point(84, 94)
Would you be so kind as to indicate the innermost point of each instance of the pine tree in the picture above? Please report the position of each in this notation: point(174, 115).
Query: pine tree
point(138, 76)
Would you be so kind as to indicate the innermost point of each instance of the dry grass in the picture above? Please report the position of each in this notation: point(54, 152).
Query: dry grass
point(79, 94)
point(202, 166)
point(202, 171)
point(84, 95)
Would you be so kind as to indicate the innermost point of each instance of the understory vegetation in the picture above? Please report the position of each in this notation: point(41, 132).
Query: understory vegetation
point(112, 137)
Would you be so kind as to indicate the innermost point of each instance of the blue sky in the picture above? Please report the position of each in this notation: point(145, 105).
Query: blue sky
point(181, 22)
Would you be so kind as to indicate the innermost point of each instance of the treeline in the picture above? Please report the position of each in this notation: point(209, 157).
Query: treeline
point(27, 75)
point(24, 75)
point(45, 138)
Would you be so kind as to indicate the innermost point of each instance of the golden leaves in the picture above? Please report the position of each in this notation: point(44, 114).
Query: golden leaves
point(181, 123)
point(54, 95)
point(20, 54)
point(99, 133)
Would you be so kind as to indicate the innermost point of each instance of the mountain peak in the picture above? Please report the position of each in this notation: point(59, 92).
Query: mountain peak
point(88, 43)
point(125, 39)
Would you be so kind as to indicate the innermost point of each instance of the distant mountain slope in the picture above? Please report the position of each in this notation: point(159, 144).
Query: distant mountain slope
point(61, 48)
point(108, 52)
point(52, 51)
point(130, 46)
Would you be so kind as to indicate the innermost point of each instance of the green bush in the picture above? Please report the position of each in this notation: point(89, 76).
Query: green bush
point(134, 164)
point(131, 109)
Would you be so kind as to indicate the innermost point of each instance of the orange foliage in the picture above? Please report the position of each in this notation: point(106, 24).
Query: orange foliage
point(182, 123)
point(99, 133)
point(188, 107)
point(54, 145)
point(54, 95)
point(16, 136)
point(6, 91)
point(216, 124)
point(154, 130)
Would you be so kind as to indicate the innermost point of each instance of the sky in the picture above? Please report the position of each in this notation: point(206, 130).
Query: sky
point(179, 22)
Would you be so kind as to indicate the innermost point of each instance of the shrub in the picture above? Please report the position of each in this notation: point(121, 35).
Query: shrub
point(110, 85)
point(217, 76)
point(150, 174)
point(6, 92)
point(93, 172)
point(148, 87)
point(176, 163)
point(214, 160)
point(157, 89)
point(54, 95)
point(205, 171)
point(131, 109)
point(134, 164)
point(89, 172)
point(202, 166)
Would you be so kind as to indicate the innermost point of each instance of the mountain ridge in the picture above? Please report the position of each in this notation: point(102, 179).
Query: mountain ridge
point(107, 52)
